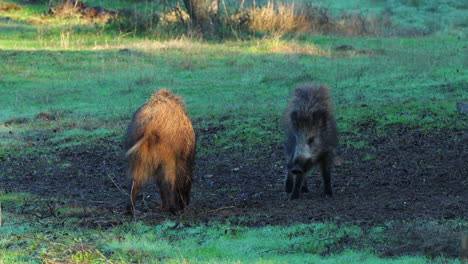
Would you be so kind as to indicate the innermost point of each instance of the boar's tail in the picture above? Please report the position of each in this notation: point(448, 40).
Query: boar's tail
point(135, 147)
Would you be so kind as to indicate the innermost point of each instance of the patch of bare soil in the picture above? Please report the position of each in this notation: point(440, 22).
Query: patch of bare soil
point(407, 175)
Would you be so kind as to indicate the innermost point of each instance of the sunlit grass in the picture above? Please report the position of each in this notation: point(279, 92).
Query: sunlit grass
point(211, 243)
point(30, 234)
point(252, 79)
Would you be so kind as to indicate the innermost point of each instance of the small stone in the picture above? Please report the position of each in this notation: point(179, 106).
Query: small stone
point(462, 108)
point(208, 176)
point(338, 161)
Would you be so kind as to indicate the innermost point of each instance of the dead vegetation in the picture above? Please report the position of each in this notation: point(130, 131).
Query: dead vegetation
point(6, 7)
point(279, 18)
point(75, 8)
point(273, 18)
point(307, 18)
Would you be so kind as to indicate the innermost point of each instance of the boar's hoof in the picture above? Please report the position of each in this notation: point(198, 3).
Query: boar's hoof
point(129, 209)
point(288, 188)
point(173, 210)
point(295, 196)
point(169, 209)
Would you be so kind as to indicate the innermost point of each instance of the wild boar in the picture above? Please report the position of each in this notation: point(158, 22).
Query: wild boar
point(160, 145)
point(311, 137)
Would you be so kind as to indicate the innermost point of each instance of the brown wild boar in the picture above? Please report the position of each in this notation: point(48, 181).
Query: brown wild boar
point(160, 145)
point(311, 137)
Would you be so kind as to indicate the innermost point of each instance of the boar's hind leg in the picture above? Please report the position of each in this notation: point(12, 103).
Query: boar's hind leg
point(138, 176)
point(304, 186)
point(164, 193)
point(289, 182)
point(167, 188)
point(184, 182)
point(184, 192)
point(325, 170)
point(297, 189)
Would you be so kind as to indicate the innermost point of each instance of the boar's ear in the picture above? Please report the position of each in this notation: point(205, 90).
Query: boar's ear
point(293, 115)
point(320, 118)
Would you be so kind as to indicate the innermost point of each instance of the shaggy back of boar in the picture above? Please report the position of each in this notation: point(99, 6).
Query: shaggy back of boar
point(160, 147)
point(311, 137)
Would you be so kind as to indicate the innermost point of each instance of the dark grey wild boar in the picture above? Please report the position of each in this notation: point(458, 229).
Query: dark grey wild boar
point(311, 137)
point(160, 147)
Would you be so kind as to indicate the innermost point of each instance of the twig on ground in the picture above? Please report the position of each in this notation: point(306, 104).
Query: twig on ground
point(118, 187)
point(219, 209)
point(126, 194)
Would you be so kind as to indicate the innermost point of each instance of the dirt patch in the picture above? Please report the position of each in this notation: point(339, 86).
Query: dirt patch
point(404, 176)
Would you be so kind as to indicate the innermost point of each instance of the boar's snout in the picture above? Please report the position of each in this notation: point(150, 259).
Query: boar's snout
point(297, 169)
point(300, 165)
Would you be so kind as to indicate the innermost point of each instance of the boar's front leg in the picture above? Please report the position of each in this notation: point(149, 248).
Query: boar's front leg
point(289, 182)
point(304, 186)
point(325, 171)
point(298, 184)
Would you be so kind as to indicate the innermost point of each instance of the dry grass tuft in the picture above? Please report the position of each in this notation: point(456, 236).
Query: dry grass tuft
point(277, 18)
point(174, 16)
point(6, 7)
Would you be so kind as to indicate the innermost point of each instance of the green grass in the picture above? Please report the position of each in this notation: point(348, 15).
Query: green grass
point(29, 238)
point(249, 80)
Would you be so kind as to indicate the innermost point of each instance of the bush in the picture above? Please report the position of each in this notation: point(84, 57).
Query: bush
point(131, 21)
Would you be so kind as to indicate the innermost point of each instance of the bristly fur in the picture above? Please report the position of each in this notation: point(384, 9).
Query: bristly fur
point(160, 145)
point(309, 103)
point(310, 108)
point(311, 136)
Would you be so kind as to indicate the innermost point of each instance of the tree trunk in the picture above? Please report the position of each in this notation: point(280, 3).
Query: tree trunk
point(201, 13)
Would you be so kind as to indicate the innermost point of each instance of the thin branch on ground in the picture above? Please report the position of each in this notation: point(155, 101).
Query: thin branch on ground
point(219, 209)
point(117, 186)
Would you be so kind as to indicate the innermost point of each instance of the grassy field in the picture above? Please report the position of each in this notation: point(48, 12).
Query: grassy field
point(65, 84)
point(103, 85)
